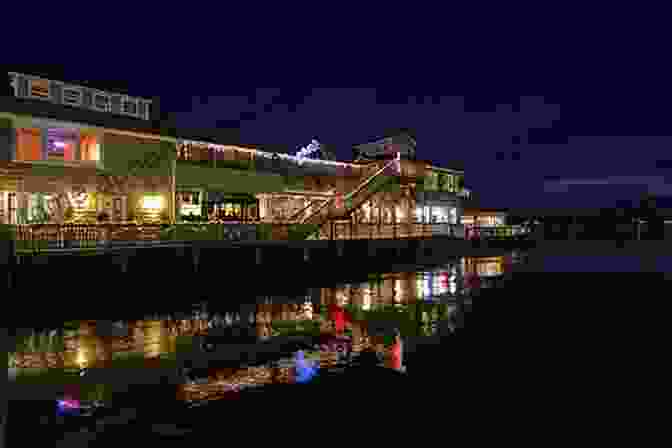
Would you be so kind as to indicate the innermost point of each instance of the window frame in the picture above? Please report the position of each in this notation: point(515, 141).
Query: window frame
point(79, 90)
point(128, 99)
point(14, 83)
point(108, 103)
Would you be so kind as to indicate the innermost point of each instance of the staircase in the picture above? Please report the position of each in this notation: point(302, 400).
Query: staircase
point(327, 210)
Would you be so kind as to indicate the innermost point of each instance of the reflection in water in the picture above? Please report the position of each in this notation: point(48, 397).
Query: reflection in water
point(412, 302)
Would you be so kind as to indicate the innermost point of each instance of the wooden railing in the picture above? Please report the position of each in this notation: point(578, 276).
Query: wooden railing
point(45, 237)
point(495, 232)
point(356, 231)
point(39, 237)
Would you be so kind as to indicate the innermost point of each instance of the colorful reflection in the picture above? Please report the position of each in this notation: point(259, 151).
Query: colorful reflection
point(305, 370)
point(484, 267)
point(414, 301)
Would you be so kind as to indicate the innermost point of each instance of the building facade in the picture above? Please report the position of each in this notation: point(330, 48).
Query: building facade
point(70, 153)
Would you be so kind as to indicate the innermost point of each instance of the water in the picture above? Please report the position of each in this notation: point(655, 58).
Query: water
point(101, 360)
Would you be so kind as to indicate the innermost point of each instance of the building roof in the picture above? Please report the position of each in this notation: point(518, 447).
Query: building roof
point(393, 133)
point(55, 73)
point(164, 127)
point(451, 166)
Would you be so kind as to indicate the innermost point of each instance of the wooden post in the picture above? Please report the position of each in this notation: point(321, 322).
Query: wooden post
point(124, 263)
point(196, 256)
point(379, 216)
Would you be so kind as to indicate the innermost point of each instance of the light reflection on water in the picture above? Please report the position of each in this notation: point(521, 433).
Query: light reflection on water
point(421, 299)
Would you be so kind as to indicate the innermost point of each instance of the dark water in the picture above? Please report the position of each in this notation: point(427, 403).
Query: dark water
point(555, 323)
point(125, 362)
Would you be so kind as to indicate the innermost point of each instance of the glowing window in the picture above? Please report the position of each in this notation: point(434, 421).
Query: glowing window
point(152, 202)
point(39, 88)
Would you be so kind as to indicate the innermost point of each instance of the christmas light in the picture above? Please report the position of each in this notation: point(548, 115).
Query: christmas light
point(306, 151)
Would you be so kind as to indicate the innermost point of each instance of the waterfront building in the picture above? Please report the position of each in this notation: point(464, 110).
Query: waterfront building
point(69, 152)
point(74, 153)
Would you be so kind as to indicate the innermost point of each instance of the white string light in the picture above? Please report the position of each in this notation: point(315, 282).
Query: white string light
point(269, 155)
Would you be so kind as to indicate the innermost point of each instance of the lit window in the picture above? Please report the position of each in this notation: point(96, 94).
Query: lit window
point(28, 144)
point(89, 147)
point(39, 88)
point(61, 144)
point(152, 202)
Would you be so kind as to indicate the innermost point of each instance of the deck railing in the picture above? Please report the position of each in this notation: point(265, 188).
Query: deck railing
point(336, 230)
point(46, 237)
point(494, 232)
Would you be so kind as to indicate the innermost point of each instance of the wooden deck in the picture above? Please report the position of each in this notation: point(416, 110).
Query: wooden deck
point(72, 238)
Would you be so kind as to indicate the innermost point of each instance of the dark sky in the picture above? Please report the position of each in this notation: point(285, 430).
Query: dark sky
point(513, 109)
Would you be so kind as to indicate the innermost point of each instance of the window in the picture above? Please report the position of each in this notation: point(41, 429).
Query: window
point(432, 181)
point(129, 106)
point(13, 81)
point(101, 102)
point(189, 202)
point(39, 88)
point(28, 144)
point(152, 202)
point(72, 96)
point(449, 183)
point(61, 144)
point(89, 147)
point(440, 215)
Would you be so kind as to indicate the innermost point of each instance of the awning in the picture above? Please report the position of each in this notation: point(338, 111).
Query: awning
point(220, 196)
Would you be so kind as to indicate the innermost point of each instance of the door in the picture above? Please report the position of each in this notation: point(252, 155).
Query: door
point(115, 208)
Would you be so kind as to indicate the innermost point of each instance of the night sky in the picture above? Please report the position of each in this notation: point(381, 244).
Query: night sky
point(556, 108)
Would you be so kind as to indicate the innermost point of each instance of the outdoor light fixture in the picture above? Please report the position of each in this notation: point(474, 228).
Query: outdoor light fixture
point(152, 202)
